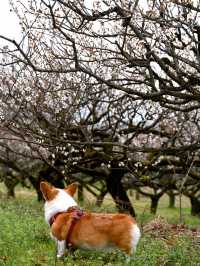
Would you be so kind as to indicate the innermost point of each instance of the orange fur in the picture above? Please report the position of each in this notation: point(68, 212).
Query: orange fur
point(49, 192)
point(96, 230)
point(71, 189)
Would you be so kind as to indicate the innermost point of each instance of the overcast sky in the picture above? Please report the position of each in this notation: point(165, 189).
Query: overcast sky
point(9, 24)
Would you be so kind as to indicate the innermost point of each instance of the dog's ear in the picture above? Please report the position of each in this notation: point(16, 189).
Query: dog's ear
point(48, 191)
point(71, 189)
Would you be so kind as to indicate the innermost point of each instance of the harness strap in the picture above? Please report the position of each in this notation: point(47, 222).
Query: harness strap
point(53, 218)
point(77, 213)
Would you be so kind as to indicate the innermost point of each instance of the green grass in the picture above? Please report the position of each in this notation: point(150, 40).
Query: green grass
point(25, 240)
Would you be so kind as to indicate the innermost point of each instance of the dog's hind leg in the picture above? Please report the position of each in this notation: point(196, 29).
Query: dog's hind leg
point(135, 235)
point(129, 247)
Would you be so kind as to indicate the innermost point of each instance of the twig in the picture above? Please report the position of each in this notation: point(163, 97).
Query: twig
point(181, 192)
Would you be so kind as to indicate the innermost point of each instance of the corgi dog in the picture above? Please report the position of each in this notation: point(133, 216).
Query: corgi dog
point(71, 227)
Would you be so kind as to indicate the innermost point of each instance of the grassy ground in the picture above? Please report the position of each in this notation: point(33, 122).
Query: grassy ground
point(24, 238)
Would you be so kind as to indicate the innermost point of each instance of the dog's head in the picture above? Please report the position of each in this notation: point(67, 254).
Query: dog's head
point(57, 200)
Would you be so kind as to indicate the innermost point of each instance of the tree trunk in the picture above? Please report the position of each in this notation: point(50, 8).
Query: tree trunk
point(80, 193)
point(100, 198)
point(137, 195)
point(119, 195)
point(10, 186)
point(11, 192)
point(35, 182)
point(172, 199)
point(46, 174)
point(154, 204)
point(131, 193)
point(195, 206)
point(50, 175)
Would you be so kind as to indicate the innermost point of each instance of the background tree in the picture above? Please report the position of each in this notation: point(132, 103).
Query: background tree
point(106, 92)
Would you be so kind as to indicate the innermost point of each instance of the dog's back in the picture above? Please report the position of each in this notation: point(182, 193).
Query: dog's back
point(99, 231)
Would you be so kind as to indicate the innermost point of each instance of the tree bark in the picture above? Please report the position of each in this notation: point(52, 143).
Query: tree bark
point(100, 198)
point(80, 193)
point(47, 174)
point(118, 193)
point(11, 192)
point(10, 186)
point(154, 204)
point(172, 199)
point(35, 182)
point(195, 206)
point(137, 195)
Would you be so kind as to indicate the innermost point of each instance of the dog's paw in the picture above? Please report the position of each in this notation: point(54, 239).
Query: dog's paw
point(59, 256)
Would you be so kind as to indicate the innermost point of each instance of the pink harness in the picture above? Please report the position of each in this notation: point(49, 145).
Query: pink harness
point(76, 214)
